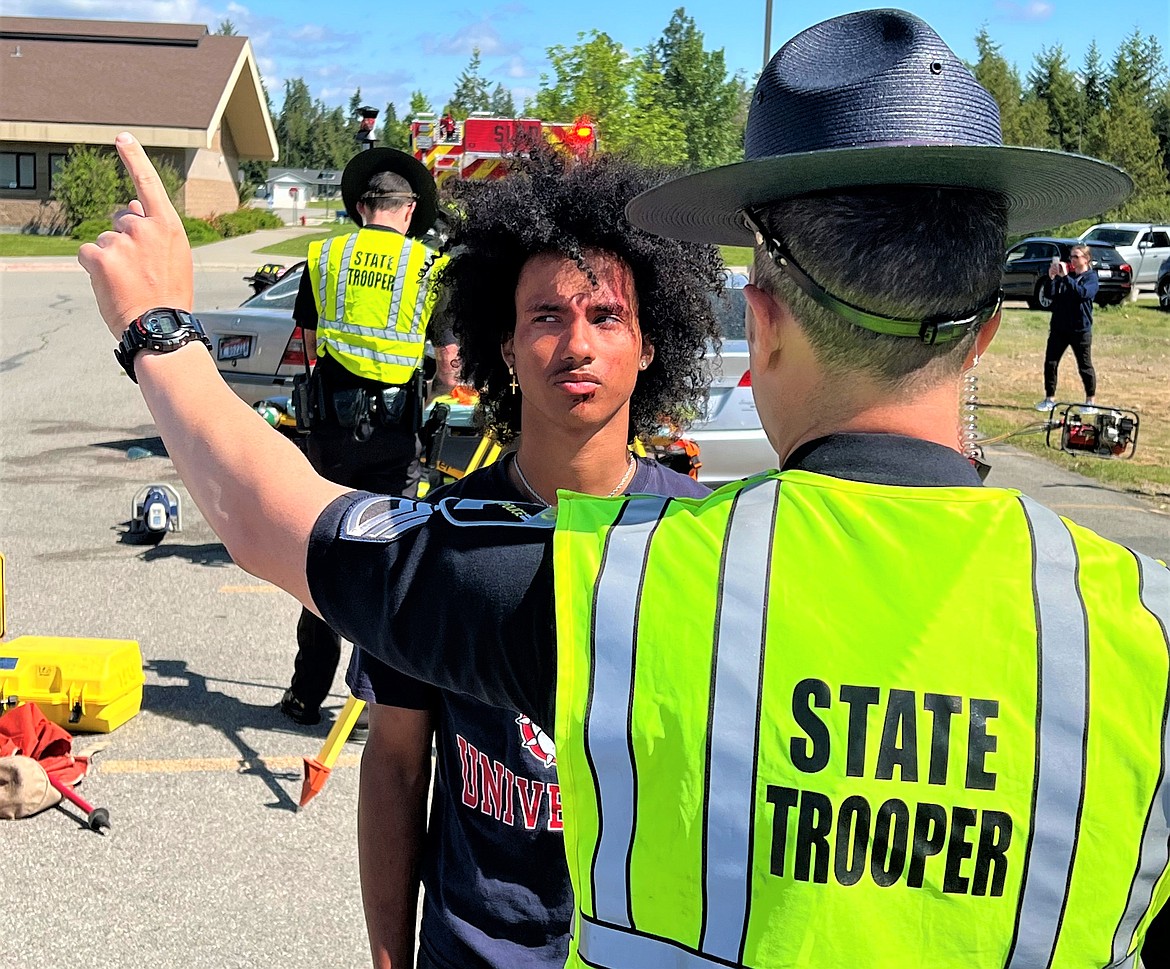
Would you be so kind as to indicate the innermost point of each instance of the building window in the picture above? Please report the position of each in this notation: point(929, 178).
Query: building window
point(17, 170)
point(55, 163)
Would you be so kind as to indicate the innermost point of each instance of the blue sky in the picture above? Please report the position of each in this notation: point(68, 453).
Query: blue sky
point(390, 47)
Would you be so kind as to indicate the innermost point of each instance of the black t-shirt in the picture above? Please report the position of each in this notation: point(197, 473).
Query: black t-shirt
point(497, 883)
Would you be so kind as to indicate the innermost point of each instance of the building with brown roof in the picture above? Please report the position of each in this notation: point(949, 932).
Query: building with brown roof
point(189, 96)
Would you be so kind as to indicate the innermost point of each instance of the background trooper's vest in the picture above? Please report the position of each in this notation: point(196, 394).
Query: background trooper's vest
point(372, 304)
point(819, 723)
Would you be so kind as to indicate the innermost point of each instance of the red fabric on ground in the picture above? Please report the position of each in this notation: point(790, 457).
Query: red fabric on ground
point(25, 730)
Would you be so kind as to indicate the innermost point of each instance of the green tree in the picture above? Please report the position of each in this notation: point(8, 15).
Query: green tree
point(92, 184)
point(1137, 70)
point(331, 141)
point(501, 104)
point(994, 73)
point(593, 78)
point(1161, 118)
point(471, 90)
point(1093, 83)
point(1056, 88)
point(696, 87)
point(1127, 131)
point(658, 136)
point(419, 105)
point(1125, 136)
point(226, 29)
point(394, 133)
point(87, 184)
point(1002, 82)
point(294, 126)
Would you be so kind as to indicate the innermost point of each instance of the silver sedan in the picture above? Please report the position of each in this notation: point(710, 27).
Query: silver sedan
point(731, 440)
point(258, 348)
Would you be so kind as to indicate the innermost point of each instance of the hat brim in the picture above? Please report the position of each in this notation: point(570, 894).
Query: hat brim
point(366, 164)
point(1043, 188)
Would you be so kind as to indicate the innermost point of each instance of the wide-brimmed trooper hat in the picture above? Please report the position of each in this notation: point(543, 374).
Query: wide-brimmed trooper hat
point(874, 98)
point(355, 180)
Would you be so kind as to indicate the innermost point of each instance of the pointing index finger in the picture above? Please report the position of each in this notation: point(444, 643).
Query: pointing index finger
point(147, 185)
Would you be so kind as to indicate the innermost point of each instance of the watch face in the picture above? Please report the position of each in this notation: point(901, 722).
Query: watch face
point(160, 324)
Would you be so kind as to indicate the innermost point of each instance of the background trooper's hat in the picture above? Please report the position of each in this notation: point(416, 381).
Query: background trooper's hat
point(874, 98)
point(355, 179)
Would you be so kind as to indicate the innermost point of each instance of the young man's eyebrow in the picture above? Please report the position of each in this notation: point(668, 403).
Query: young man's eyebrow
point(555, 306)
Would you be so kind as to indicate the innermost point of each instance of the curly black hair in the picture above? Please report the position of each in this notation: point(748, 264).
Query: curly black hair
point(550, 203)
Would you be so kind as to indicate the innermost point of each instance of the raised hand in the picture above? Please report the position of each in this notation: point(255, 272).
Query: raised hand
point(145, 261)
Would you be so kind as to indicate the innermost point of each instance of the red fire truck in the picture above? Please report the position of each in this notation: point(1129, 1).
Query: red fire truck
point(479, 147)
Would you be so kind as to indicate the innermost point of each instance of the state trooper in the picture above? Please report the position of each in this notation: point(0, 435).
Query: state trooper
point(858, 710)
point(366, 301)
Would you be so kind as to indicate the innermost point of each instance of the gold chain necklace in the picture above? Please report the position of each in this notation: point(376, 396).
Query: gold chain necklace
point(631, 467)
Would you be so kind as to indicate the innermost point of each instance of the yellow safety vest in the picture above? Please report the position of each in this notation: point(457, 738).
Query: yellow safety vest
point(808, 722)
point(372, 301)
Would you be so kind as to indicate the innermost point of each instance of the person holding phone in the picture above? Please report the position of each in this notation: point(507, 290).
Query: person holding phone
point(1073, 286)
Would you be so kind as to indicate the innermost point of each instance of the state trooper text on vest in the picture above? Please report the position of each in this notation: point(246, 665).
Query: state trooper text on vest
point(896, 840)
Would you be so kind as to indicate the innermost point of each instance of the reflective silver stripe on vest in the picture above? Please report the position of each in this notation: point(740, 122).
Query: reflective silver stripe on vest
point(1061, 711)
point(613, 948)
point(1154, 592)
point(377, 331)
point(323, 275)
point(606, 740)
point(394, 358)
point(343, 275)
point(735, 698)
point(420, 302)
point(399, 284)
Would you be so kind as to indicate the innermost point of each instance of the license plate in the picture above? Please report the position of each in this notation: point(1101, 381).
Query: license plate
point(1105, 273)
point(234, 347)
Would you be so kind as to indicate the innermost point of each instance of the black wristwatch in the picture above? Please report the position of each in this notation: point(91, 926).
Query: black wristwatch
point(160, 329)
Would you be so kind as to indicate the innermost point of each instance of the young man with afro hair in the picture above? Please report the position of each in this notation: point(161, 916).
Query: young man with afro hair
point(581, 334)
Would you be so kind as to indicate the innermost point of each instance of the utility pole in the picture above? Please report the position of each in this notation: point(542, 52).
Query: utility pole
point(767, 32)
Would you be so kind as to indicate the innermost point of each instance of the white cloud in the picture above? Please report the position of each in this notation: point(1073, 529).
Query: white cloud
point(464, 40)
point(1031, 11)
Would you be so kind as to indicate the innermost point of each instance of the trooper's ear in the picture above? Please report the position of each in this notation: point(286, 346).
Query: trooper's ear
point(507, 354)
point(982, 340)
point(763, 325)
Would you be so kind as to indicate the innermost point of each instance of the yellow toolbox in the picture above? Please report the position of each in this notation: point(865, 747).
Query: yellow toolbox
point(83, 685)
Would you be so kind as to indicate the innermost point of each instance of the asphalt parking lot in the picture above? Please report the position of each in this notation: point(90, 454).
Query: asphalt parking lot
point(208, 862)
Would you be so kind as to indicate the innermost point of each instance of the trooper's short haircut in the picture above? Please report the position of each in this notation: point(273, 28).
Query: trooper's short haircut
point(903, 252)
point(382, 185)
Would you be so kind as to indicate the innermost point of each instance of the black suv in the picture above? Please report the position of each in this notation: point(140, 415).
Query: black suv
point(1025, 271)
